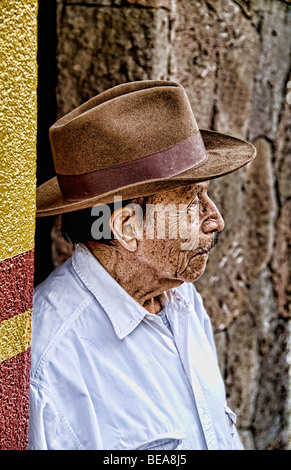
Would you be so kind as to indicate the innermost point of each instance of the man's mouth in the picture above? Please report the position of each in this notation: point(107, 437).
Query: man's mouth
point(206, 250)
point(202, 251)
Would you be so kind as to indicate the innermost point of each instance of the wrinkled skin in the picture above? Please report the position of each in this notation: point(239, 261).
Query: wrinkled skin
point(145, 267)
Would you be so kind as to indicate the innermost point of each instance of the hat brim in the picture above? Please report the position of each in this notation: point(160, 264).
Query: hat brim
point(225, 154)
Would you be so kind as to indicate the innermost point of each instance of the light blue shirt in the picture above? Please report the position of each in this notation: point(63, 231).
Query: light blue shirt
point(106, 374)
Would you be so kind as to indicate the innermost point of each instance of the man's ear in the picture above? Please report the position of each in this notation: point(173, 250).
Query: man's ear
point(123, 227)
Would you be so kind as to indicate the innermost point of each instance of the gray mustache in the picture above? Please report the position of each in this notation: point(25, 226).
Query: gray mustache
point(192, 246)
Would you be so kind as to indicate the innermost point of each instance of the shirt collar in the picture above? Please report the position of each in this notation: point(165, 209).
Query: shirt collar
point(108, 292)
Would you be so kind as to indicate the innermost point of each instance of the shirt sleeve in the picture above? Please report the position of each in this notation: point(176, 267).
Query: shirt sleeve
point(48, 429)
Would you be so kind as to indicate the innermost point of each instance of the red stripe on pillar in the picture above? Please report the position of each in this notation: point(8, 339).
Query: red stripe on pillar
point(14, 402)
point(16, 295)
point(16, 281)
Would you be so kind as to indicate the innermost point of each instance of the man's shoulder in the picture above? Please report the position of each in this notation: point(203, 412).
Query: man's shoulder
point(56, 303)
point(59, 294)
point(61, 286)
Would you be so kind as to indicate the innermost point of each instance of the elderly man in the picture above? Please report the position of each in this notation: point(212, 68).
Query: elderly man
point(123, 355)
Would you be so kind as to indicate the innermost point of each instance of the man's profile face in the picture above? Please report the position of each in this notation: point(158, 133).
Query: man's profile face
point(192, 224)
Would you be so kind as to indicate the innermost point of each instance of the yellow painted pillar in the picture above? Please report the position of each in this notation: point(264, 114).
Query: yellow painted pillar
point(18, 127)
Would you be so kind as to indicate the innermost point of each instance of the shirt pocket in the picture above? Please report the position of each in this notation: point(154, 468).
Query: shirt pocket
point(169, 441)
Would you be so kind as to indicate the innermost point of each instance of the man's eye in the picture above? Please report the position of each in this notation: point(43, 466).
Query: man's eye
point(194, 202)
point(193, 208)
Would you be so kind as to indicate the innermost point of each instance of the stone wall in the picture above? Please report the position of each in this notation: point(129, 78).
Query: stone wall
point(233, 58)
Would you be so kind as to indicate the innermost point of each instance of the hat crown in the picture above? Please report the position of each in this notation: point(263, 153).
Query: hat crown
point(133, 140)
point(120, 125)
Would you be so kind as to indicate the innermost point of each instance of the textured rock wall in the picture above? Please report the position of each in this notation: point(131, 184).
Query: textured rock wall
point(233, 57)
point(247, 283)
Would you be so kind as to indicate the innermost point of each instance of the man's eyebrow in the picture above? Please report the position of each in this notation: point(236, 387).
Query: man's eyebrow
point(204, 184)
point(200, 187)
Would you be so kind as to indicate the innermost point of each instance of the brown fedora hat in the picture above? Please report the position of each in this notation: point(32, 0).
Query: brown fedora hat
point(133, 140)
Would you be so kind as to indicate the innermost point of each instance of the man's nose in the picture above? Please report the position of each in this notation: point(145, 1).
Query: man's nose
point(212, 219)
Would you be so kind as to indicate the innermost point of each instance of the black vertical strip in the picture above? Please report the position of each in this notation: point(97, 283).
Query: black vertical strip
point(47, 110)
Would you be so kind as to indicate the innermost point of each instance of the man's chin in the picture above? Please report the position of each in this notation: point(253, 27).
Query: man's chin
point(191, 273)
point(192, 278)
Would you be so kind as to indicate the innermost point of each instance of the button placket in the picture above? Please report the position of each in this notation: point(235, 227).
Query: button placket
point(155, 320)
point(179, 324)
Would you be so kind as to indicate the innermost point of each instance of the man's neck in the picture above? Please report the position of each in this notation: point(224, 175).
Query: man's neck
point(139, 280)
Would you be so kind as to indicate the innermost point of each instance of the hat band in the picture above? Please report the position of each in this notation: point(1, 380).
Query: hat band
point(164, 164)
